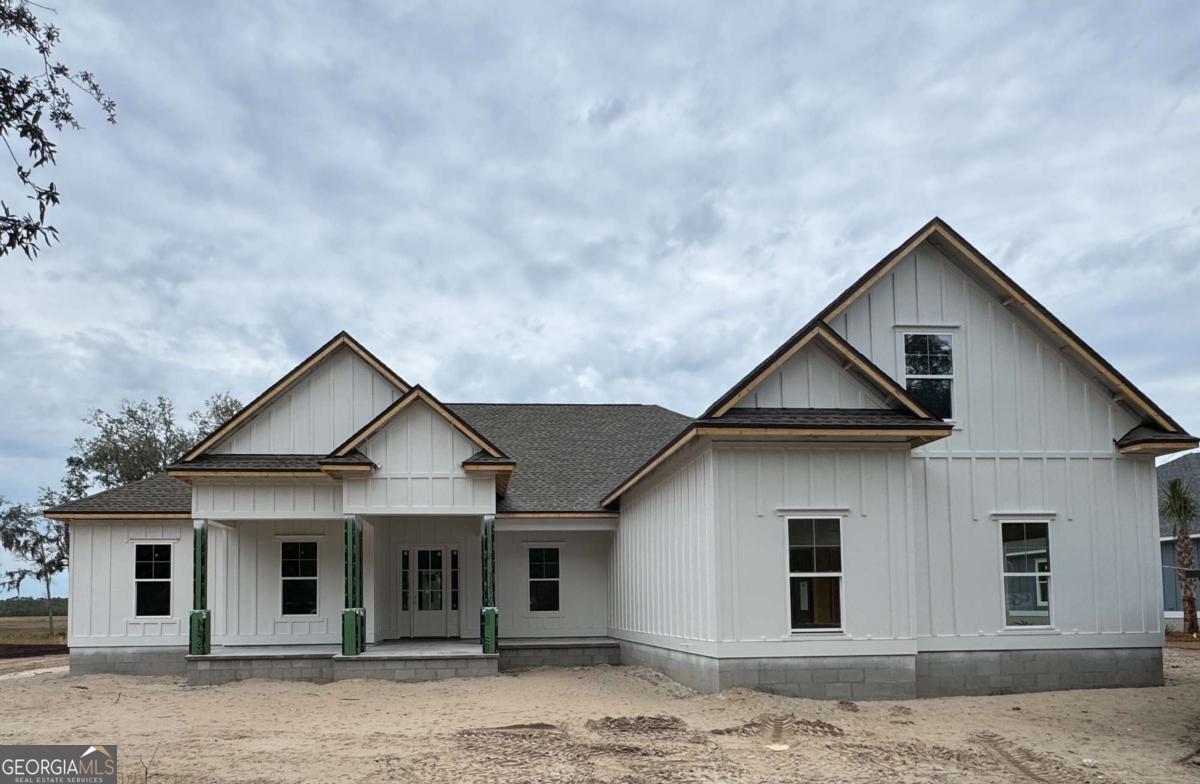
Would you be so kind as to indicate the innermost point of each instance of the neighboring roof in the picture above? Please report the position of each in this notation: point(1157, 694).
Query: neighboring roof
point(401, 403)
point(568, 456)
point(340, 340)
point(1186, 468)
point(158, 495)
point(817, 331)
point(824, 418)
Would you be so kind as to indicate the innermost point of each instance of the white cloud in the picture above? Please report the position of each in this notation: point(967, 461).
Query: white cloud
point(591, 203)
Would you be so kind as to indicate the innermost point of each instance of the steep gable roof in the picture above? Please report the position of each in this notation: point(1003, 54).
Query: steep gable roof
point(417, 393)
point(950, 242)
point(340, 340)
point(853, 359)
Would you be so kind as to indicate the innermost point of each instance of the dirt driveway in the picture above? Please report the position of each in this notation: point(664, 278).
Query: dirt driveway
point(607, 724)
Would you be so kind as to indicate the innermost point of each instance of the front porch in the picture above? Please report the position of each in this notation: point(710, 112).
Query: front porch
point(396, 660)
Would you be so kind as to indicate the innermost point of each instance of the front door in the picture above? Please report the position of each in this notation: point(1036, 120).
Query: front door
point(429, 618)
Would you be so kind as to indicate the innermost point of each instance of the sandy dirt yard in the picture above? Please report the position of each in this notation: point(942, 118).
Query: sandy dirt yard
point(605, 724)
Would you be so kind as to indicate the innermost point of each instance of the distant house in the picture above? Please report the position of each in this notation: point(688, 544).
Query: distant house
point(1186, 468)
point(934, 487)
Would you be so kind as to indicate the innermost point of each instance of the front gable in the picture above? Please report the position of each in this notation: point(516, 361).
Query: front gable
point(813, 378)
point(1018, 385)
point(419, 455)
point(312, 409)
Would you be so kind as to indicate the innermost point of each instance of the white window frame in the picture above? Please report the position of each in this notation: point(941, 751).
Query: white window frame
point(170, 581)
point(544, 546)
point(317, 579)
point(789, 574)
point(952, 336)
point(1005, 574)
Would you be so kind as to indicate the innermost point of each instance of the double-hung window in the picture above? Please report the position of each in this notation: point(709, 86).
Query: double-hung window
point(152, 580)
point(298, 573)
point(543, 579)
point(815, 574)
point(1026, 573)
point(929, 371)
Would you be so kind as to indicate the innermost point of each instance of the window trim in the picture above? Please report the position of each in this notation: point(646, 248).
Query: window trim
point(170, 581)
point(299, 540)
point(555, 545)
point(788, 574)
point(1005, 574)
point(952, 334)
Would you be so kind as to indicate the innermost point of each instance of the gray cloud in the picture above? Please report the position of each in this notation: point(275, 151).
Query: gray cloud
point(593, 203)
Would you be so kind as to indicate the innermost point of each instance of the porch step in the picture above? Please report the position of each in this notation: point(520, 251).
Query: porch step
point(528, 652)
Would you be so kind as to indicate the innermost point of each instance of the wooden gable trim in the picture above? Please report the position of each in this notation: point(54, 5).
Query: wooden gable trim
point(390, 413)
point(673, 446)
point(1159, 448)
point(944, 237)
point(850, 356)
point(342, 339)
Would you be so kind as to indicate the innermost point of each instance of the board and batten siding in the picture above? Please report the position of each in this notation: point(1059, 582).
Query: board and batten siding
point(320, 411)
point(240, 500)
point(664, 557)
point(758, 488)
point(101, 592)
point(1035, 436)
point(245, 588)
point(582, 588)
point(811, 378)
point(420, 457)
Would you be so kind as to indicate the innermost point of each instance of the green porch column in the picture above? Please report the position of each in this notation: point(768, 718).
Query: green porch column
point(354, 617)
point(200, 621)
point(489, 621)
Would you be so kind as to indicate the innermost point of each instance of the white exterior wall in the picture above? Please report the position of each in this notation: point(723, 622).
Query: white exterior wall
point(1035, 434)
point(420, 456)
point(101, 589)
point(758, 487)
point(387, 536)
point(665, 557)
point(583, 584)
point(811, 378)
point(244, 583)
point(320, 411)
point(319, 499)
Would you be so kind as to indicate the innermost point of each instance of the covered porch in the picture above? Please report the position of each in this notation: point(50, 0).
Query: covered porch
point(415, 599)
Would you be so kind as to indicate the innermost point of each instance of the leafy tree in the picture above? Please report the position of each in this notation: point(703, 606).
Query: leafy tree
point(140, 440)
point(40, 544)
point(137, 442)
point(1180, 507)
point(30, 104)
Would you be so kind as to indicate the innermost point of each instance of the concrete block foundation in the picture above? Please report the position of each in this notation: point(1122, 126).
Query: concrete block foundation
point(143, 660)
point(573, 652)
point(928, 674)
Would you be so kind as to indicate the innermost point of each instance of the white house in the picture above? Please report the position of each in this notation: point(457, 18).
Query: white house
point(934, 487)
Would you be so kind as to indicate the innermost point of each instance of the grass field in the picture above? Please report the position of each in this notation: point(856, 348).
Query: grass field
point(32, 631)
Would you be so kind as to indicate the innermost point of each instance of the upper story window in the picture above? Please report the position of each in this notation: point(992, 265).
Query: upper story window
point(929, 371)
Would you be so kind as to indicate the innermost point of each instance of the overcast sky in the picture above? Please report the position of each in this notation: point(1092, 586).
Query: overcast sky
point(519, 203)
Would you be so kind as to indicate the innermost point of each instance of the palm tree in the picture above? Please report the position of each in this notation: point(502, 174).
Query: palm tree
point(1180, 507)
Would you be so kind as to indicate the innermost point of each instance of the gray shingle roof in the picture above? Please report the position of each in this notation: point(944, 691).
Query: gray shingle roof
point(569, 456)
point(822, 417)
point(223, 462)
point(1149, 434)
point(1186, 468)
point(159, 494)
